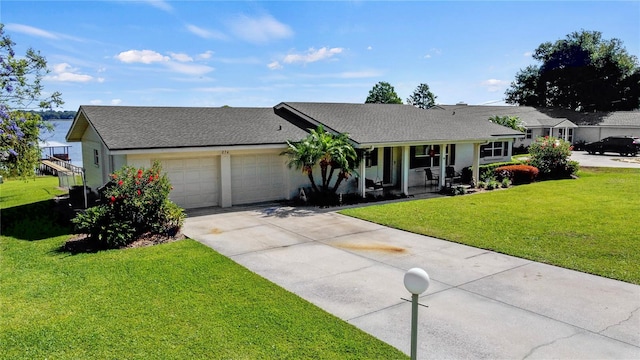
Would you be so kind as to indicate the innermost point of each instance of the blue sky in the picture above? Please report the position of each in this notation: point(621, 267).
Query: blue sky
point(260, 53)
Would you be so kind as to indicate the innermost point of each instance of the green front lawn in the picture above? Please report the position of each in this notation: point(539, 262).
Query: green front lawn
point(180, 300)
point(590, 224)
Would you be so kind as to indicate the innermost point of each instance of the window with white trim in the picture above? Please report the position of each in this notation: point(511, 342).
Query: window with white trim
point(495, 149)
point(424, 156)
point(96, 157)
point(371, 158)
point(529, 134)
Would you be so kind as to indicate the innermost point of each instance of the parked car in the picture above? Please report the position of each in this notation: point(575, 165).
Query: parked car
point(624, 145)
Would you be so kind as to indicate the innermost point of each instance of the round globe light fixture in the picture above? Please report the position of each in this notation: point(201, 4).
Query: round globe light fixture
point(416, 281)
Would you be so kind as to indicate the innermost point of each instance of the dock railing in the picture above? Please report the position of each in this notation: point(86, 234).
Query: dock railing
point(67, 173)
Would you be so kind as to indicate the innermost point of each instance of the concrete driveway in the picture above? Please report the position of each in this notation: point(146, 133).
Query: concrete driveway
point(606, 160)
point(480, 305)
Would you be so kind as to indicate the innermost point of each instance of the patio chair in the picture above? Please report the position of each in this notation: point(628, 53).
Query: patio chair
point(430, 178)
point(451, 176)
point(370, 184)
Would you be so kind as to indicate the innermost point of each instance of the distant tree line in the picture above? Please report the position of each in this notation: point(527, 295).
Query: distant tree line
point(55, 115)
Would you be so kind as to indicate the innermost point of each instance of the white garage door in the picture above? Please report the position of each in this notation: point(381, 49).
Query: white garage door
point(195, 181)
point(256, 178)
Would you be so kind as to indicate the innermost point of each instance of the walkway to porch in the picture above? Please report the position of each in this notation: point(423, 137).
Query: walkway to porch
point(416, 192)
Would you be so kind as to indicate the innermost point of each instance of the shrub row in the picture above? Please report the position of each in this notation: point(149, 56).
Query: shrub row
point(486, 171)
point(136, 202)
point(517, 174)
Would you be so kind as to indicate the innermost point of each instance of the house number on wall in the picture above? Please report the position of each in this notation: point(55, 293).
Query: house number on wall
point(225, 152)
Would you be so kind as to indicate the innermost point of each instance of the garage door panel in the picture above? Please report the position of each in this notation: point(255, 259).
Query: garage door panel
point(257, 178)
point(194, 180)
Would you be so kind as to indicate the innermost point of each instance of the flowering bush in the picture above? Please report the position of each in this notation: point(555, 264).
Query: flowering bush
point(136, 202)
point(551, 156)
point(517, 174)
point(19, 136)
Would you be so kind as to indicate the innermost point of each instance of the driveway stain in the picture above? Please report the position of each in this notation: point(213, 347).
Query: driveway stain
point(373, 247)
point(215, 231)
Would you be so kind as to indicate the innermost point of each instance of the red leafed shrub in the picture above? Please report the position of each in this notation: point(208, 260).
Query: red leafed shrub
point(518, 174)
point(137, 202)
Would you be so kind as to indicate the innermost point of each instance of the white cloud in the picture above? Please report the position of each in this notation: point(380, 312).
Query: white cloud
point(141, 56)
point(206, 34)
point(95, 102)
point(181, 57)
point(312, 55)
point(160, 4)
point(259, 30)
point(205, 55)
point(369, 48)
point(65, 73)
point(274, 65)
point(116, 101)
point(245, 60)
point(494, 85)
point(189, 69)
point(33, 31)
point(527, 54)
point(177, 62)
point(433, 52)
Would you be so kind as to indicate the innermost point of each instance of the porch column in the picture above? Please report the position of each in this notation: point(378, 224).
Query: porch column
point(225, 179)
point(476, 164)
point(405, 170)
point(361, 183)
point(443, 164)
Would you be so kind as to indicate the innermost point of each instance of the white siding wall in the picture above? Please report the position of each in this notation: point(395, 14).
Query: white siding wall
point(195, 176)
point(595, 133)
point(96, 175)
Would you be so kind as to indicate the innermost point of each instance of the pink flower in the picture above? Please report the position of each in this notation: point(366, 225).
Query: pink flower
point(113, 199)
point(139, 173)
point(120, 182)
point(139, 192)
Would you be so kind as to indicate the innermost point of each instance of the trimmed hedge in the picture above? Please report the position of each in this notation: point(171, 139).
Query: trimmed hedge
point(486, 169)
point(518, 174)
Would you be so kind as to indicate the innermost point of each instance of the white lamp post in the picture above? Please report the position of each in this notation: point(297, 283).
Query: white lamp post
point(416, 281)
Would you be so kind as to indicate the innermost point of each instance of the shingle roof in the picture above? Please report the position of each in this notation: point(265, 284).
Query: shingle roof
point(389, 123)
point(615, 118)
point(548, 117)
point(140, 127)
point(529, 115)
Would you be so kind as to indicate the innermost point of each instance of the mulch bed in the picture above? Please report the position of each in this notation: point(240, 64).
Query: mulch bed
point(82, 243)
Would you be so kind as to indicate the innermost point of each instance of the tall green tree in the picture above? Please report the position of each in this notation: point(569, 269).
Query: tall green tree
point(422, 97)
point(582, 72)
point(20, 90)
point(383, 93)
point(513, 122)
point(331, 153)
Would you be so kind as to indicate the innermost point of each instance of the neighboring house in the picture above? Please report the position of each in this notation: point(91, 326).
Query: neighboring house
point(566, 124)
point(230, 156)
point(536, 122)
point(598, 125)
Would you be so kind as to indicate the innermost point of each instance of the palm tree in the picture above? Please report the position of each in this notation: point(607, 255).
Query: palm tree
point(330, 152)
point(303, 155)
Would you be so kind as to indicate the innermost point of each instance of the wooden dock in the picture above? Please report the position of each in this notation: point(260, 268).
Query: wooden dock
point(53, 168)
point(66, 172)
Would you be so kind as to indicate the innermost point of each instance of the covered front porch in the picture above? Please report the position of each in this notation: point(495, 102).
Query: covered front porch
point(412, 170)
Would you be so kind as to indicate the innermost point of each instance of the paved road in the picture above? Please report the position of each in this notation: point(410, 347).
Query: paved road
point(606, 160)
point(481, 304)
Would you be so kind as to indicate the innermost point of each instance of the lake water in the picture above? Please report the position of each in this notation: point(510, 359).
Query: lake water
point(60, 131)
